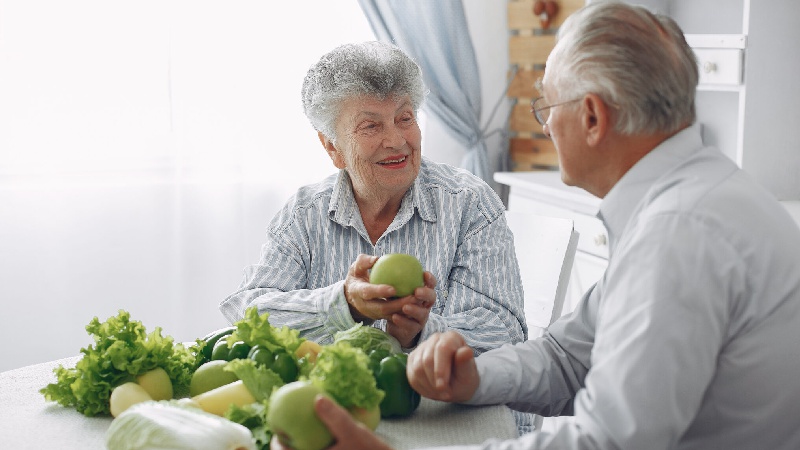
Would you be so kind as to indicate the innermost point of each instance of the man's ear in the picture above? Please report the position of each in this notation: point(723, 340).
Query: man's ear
point(330, 148)
point(595, 119)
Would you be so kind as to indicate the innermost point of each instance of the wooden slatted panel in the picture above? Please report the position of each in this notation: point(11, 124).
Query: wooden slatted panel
point(522, 119)
point(532, 153)
point(521, 16)
point(530, 50)
point(523, 83)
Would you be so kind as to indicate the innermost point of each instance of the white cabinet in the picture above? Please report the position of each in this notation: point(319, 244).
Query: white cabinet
point(544, 193)
point(748, 97)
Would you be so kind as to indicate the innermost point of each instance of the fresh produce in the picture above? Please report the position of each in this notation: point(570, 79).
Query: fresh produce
point(210, 375)
point(253, 384)
point(308, 350)
point(400, 270)
point(170, 425)
point(218, 400)
point(138, 369)
point(293, 419)
point(388, 365)
point(369, 417)
point(368, 339)
point(126, 395)
point(122, 350)
point(211, 339)
point(400, 398)
point(157, 383)
point(343, 372)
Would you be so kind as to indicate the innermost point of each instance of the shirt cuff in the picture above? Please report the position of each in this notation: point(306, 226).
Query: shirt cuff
point(495, 380)
point(336, 310)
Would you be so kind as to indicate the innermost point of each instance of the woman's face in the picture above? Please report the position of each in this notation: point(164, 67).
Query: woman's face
point(378, 142)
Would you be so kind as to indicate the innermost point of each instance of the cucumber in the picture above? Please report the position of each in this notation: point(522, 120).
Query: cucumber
point(211, 338)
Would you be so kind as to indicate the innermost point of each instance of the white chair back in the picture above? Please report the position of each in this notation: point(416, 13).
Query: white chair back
point(545, 248)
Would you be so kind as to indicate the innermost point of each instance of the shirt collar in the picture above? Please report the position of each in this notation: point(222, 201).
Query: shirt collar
point(624, 198)
point(343, 207)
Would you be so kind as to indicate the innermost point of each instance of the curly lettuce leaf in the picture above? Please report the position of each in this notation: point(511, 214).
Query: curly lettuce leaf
point(343, 372)
point(122, 350)
point(254, 417)
point(255, 329)
point(259, 380)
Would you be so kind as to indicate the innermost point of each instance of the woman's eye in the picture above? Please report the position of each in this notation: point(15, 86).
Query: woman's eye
point(407, 119)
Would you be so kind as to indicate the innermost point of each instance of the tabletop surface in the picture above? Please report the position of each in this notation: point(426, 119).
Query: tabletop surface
point(27, 421)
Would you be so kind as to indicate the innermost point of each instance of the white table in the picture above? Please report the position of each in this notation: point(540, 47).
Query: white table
point(27, 421)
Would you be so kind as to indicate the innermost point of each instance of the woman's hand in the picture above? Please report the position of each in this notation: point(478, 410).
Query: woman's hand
point(443, 368)
point(405, 316)
point(347, 433)
point(407, 325)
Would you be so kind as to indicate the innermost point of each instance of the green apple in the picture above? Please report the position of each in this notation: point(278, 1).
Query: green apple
point(210, 375)
point(292, 417)
point(400, 270)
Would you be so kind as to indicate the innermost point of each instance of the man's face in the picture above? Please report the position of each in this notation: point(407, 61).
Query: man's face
point(379, 144)
point(563, 128)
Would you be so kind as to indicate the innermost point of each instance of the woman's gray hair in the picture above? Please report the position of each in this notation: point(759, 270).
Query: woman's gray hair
point(635, 60)
point(374, 68)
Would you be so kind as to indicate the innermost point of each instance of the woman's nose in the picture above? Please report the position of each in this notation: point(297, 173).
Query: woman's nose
point(546, 129)
point(394, 137)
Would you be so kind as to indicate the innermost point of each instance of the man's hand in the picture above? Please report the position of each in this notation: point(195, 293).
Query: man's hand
point(405, 316)
point(347, 433)
point(443, 368)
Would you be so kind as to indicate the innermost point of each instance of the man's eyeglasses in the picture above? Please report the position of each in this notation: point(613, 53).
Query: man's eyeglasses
point(542, 112)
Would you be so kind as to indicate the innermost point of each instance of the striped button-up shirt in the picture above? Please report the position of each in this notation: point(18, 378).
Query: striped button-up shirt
point(452, 221)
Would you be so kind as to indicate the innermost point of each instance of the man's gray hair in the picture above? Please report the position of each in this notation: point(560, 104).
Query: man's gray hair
point(633, 59)
point(375, 69)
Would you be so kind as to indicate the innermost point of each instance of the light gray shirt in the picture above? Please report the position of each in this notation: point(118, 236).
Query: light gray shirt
point(452, 221)
point(691, 339)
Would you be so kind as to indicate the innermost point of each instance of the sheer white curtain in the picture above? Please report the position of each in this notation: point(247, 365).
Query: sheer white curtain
point(143, 148)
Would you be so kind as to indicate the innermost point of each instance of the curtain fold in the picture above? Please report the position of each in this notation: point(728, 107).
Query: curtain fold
point(435, 34)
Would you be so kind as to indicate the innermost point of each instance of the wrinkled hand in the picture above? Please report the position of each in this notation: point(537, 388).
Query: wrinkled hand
point(347, 433)
point(407, 325)
point(405, 316)
point(443, 368)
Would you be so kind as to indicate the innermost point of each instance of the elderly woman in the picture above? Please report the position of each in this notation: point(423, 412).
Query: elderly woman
point(386, 198)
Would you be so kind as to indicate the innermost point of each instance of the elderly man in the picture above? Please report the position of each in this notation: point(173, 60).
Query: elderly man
point(690, 339)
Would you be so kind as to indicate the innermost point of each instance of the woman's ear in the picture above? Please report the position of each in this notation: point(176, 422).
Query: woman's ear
point(333, 152)
point(595, 119)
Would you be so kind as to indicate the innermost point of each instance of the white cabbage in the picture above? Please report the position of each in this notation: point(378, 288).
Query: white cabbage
point(170, 426)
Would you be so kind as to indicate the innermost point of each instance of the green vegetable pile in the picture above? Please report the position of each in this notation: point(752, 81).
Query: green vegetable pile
point(363, 370)
point(387, 363)
point(122, 350)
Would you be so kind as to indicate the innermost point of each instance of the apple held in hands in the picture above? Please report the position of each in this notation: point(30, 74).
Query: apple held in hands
point(400, 270)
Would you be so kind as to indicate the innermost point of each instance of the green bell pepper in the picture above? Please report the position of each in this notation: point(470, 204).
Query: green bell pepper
point(390, 374)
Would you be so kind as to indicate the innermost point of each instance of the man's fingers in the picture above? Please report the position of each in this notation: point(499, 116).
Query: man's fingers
point(333, 416)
